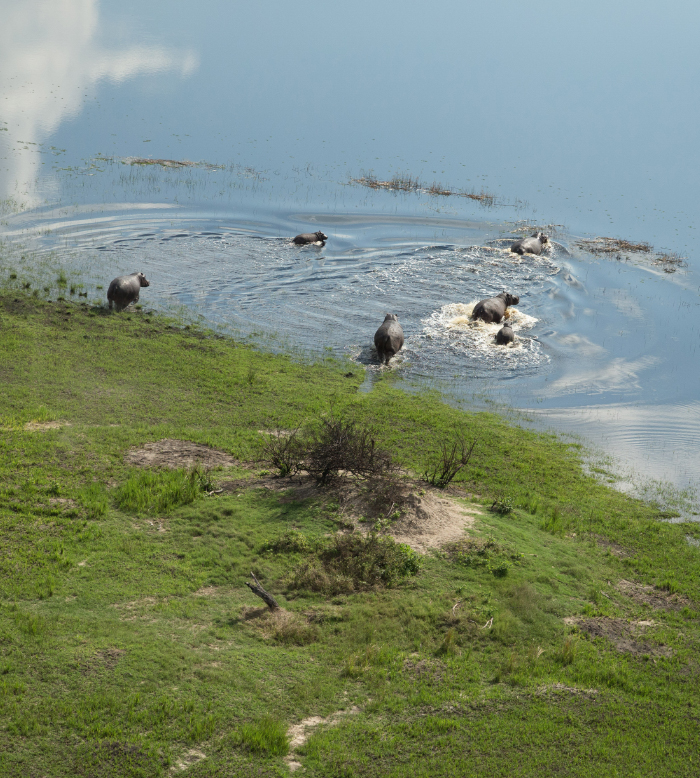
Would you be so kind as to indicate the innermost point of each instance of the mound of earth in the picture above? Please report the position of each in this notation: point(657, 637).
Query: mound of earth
point(624, 635)
point(431, 520)
point(177, 454)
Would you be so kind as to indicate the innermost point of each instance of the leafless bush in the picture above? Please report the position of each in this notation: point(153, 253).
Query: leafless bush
point(343, 445)
point(452, 457)
point(286, 451)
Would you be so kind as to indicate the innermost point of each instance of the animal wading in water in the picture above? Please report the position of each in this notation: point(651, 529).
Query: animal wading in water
point(532, 245)
point(388, 339)
point(493, 309)
point(310, 237)
point(505, 335)
point(125, 290)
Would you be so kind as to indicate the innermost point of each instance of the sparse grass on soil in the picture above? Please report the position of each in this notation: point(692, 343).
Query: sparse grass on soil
point(559, 636)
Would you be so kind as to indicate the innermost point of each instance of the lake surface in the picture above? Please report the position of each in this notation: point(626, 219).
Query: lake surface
point(562, 116)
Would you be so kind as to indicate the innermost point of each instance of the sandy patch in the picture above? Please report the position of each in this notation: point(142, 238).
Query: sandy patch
point(177, 454)
point(187, 760)
point(624, 635)
point(207, 591)
point(648, 595)
point(432, 520)
point(298, 734)
point(40, 426)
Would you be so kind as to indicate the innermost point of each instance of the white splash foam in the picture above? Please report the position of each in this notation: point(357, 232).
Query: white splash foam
point(453, 323)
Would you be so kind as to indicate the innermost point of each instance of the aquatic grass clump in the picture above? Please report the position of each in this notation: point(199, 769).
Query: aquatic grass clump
point(160, 491)
point(403, 182)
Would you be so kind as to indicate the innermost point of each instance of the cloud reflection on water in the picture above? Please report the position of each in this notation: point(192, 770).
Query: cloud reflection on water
point(51, 58)
point(618, 375)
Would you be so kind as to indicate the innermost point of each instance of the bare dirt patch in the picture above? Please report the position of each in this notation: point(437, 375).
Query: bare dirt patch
point(424, 669)
point(648, 595)
point(187, 760)
point(40, 426)
point(107, 659)
point(614, 548)
point(298, 734)
point(432, 520)
point(207, 591)
point(624, 635)
point(177, 454)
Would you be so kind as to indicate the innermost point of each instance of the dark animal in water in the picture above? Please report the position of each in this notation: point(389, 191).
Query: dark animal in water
point(389, 338)
point(505, 335)
point(532, 245)
point(492, 309)
point(310, 237)
point(125, 290)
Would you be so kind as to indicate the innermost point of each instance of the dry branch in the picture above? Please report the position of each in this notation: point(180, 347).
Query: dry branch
point(257, 588)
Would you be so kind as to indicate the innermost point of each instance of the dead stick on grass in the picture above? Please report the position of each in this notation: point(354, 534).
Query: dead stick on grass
point(256, 588)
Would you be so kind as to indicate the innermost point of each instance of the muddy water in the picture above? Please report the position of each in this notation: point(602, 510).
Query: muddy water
point(606, 345)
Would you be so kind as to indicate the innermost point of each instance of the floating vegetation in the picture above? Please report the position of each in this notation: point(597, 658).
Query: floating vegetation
point(670, 261)
point(613, 246)
point(406, 183)
point(173, 163)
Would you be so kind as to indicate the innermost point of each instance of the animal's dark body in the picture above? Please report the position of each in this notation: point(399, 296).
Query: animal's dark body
point(505, 335)
point(492, 309)
point(389, 338)
point(532, 245)
point(124, 290)
point(310, 237)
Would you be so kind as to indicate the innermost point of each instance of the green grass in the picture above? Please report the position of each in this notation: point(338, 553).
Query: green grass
point(129, 643)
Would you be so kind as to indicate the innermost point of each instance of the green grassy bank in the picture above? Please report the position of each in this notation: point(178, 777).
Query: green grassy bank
point(560, 638)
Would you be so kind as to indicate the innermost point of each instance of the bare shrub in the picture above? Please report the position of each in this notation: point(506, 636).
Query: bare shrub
point(343, 445)
point(452, 456)
point(285, 451)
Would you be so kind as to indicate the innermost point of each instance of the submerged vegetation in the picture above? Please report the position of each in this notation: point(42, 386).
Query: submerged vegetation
point(558, 634)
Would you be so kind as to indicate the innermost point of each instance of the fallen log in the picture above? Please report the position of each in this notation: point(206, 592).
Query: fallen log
point(257, 589)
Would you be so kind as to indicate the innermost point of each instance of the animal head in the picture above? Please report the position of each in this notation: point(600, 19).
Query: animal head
point(142, 279)
point(320, 235)
point(391, 317)
point(543, 238)
point(509, 299)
